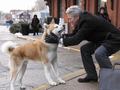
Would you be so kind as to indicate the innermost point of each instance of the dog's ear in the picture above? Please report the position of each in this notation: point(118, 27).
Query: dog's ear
point(46, 30)
point(52, 21)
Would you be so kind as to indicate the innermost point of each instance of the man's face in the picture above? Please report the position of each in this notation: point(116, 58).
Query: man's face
point(102, 11)
point(73, 20)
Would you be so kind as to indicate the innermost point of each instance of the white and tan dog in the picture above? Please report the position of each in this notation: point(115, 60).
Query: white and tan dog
point(37, 50)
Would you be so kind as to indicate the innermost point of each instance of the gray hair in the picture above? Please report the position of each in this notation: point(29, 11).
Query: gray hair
point(74, 10)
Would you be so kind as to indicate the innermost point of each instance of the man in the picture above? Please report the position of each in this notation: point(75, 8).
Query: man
point(103, 14)
point(103, 40)
point(35, 25)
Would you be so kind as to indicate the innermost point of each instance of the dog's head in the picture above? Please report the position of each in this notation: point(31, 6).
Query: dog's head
point(54, 28)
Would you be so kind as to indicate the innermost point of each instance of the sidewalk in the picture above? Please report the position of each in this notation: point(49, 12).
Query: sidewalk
point(70, 66)
point(71, 79)
point(71, 70)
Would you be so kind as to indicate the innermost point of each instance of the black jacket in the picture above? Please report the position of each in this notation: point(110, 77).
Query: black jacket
point(35, 22)
point(94, 29)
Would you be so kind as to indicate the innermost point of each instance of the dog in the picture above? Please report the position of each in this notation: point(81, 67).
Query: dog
point(38, 50)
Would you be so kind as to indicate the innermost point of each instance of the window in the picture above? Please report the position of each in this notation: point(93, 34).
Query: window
point(60, 8)
point(112, 4)
point(99, 4)
point(84, 4)
point(78, 2)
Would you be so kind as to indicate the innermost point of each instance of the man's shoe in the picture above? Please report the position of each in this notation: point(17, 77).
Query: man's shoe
point(87, 79)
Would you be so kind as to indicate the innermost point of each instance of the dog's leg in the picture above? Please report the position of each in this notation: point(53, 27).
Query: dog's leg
point(15, 64)
point(55, 70)
point(12, 79)
point(21, 73)
point(13, 74)
point(47, 68)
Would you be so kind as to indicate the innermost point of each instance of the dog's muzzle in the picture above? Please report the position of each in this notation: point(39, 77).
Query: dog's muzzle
point(63, 29)
point(52, 38)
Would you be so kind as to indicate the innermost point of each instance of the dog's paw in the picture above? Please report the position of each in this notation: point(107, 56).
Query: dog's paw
point(22, 88)
point(61, 81)
point(53, 83)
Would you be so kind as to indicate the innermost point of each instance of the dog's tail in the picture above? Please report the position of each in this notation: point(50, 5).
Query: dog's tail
point(8, 47)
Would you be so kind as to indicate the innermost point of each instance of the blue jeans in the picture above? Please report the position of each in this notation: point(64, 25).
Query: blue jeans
point(101, 55)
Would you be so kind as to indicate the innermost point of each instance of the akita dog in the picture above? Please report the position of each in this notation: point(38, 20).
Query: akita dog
point(37, 50)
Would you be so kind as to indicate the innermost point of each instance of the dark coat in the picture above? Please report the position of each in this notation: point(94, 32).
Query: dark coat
point(94, 29)
point(105, 16)
point(35, 22)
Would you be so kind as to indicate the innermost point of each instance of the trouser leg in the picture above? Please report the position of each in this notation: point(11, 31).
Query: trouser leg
point(33, 31)
point(86, 53)
point(102, 56)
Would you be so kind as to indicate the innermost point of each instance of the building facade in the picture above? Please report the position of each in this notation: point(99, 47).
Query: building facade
point(58, 8)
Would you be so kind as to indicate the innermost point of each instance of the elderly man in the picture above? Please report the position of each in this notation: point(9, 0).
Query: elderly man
point(103, 40)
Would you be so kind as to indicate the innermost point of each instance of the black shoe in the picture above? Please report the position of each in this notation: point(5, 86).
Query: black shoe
point(87, 79)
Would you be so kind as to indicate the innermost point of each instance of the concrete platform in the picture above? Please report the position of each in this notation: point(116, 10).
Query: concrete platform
point(70, 66)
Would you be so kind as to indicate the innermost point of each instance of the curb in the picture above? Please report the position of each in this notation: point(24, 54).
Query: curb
point(66, 77)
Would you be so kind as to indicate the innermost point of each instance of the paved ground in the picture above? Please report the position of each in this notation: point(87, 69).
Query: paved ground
point(74, 85)
point(68, 61)
point(70, 67)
